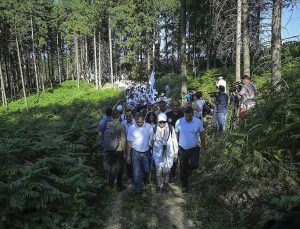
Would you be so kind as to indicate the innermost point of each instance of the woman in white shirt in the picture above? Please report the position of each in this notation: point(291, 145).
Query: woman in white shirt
point(165, 151)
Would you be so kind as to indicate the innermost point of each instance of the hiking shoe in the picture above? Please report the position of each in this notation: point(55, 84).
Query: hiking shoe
point(121, 188)
point(159, 191)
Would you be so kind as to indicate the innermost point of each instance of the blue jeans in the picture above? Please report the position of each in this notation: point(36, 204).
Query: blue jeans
point(221, 117)
point(140, 163)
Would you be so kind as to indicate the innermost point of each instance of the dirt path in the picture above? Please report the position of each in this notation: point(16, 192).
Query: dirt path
point(148, 210)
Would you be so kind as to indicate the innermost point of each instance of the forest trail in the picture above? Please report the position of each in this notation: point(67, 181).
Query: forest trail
point(148, 210)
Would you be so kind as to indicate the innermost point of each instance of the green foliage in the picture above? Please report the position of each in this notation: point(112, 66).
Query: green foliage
point(48, 159)
point(174, 82)
point(247, 174)
point(206, 81)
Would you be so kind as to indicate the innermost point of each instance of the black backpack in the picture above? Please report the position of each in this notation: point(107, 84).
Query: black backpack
point(206, 108)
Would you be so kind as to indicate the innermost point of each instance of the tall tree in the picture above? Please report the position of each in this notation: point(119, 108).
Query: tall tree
point(110, 52)
point(246, 37)
point(95, 60)
point(238, 41)
point(21, 74)
point(183, 46)
point(276, 41)
point(3, 92)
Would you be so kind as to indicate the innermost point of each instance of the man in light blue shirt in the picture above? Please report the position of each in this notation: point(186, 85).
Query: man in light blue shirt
point(188, 129)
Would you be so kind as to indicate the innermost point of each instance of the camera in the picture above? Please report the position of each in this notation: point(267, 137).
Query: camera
point(237, 86)
point(213, 94)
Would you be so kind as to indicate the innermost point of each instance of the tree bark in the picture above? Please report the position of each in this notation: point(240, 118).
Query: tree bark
point(183, 46)
point(95, 61)
point(238, 42)
point(58, 58)
point(87, 67)
point(246, 37)
point(100, 61)
point(77, 62)
point(276, 41)
point(33, 54)
point(21, 73)
point(3, 92)
point(110, 53)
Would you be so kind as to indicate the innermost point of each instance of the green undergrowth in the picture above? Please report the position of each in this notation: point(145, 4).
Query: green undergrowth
point(247, 175)
point(49, 162)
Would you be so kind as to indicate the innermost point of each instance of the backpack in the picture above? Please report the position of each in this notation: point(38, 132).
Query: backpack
point(206, 108)
point(110, 137)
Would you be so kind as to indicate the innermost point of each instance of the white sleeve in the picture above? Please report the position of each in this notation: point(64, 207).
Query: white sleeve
point(151, 134)
point(175, 143)
point(177, 129)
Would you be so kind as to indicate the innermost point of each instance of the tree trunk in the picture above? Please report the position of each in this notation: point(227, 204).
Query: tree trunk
point(77, 61)
point(95, 61)
point(183, 46)
point(34, 59)
point(100, 62)
point(276, 41)
point(166, 41)
point(67, 67)
point(110, 53)
point(58, 58)
point(238, 42)
point(148, 60)
point(21, 73)
point(3, 92)
point(87, 66)
point(44, 76)
point(246, 37)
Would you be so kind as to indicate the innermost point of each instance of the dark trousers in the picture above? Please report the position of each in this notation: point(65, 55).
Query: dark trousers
point(115, 161)
point(173, 169)
point(189, 159)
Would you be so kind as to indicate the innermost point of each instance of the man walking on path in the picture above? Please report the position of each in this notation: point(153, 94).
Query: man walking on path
point(115, 155)
point(128, 122)
point(172, 117)
point(139, 140)
point(247, 97)
point(221, 102)
point(102, 126)
point(187, 129)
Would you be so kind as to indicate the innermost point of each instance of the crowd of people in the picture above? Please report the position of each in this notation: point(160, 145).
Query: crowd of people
point(151, 134)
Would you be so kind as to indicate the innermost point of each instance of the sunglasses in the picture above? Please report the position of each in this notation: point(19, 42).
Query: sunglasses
point(162, 122)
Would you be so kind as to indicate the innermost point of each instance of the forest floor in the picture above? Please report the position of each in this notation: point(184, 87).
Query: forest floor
point(147, 210)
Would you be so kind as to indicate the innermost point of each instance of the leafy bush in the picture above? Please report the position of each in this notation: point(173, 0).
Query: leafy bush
point(48, 159)
point(174, 82)
point(247, 174)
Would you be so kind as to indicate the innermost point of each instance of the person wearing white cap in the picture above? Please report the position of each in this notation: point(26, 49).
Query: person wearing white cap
point(221, 82)
point(165, 152)
point(122, 115)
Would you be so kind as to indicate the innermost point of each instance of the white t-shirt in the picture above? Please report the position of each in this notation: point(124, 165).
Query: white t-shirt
point(188, 132)
point(200, 103)
point(140, 137)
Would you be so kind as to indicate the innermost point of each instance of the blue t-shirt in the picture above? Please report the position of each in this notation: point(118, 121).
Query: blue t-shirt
point(222, 102)
point(102, 124)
